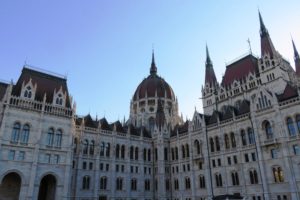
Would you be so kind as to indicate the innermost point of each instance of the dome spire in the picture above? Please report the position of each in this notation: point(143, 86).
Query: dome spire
point(153, 68)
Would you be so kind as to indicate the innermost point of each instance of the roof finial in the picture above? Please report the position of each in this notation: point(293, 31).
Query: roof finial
point(208, 60)
point(263, 29)
point(153, 68)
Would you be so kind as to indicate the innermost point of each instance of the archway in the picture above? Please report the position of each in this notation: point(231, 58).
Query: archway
point(10, 186)
point(47, 188)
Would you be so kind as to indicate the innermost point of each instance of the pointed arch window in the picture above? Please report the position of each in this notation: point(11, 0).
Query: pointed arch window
point(149, 154)
point(25, 134)
point(92, 147)
point(50, 137)
point(28, 92)
point(102, 148)
point(86, 183)
point(253, 176)
point(233, 141)
point(202, 181)
point(75, 145)
point(251, 136)
point(176, 153)
point(183, 151)
point(131, 152)
point(58, 138)
point(187, 149)
point(118, 151)
point(107, 149)
point(136, 153)
point(244, 139)
point(103, 183)
point(145, 154)
point(235, 178)
point(16, 132)
point(290, 126)
point(59, 99)
point(211, 142)
point(197, 146)
point(268, 129)
point(218, 178)
point(123, 151)
point(85, 146)
point(227, 144)
point(218, 148)
point(278, 175)
point(298, 122)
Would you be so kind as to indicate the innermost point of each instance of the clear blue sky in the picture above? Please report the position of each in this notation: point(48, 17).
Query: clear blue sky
point(104, 47)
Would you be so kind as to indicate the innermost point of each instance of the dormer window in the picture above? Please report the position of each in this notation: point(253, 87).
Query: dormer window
point(59, 99)
point(28, 92)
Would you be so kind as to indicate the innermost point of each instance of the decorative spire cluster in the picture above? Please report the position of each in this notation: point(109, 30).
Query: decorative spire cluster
point(153, 68)
point(210, 77)
point(160, 115)
point(267, 46)
point(296, 59)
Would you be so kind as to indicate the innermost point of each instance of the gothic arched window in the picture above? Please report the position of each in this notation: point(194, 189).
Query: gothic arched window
point(16, 132)
point(290, 126)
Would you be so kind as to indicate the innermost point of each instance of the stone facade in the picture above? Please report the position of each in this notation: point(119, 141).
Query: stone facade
point(246, 143)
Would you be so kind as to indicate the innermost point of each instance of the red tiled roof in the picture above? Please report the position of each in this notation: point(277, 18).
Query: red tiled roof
point(151, 84)
point(267, 46)
point(240, 69)
point(289, 92)
point(46, 84)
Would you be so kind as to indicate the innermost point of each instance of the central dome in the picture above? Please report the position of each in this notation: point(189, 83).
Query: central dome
point(153, 86)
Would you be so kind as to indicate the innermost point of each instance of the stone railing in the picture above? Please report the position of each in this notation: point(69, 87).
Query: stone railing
point(40, 107)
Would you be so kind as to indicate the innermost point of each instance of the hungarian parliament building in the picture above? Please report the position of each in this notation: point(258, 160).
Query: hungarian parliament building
point(245, 144)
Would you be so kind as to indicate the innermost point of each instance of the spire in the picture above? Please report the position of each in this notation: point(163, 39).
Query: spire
point(263, 29)
point(210, 76)
point(267, 46)
point(296, 59)
point(153, 68)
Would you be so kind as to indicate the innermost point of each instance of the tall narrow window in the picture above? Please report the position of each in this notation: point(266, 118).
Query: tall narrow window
point(86, 183)
point(251, 136)
point(92, 147)
point(131, 152)
point(187, 150)
point(149, 154)
point(197, 146)
point(227, 144)
point(103, 183)
point(57, 138)
point(218, 148)
point(201, 181)
point(50, 137)
point(211, 141)
point(244, 139)
point(183, 151)
point(268, 129)
point(85, 146)
point(118, 151)
point(25, 134)
point(15, 133)
point(145, 154)
point(28, 92)
point(102, 148)
point(107, 149)
point(123, 151)
point(136, 153)
point(176, 153)
point(233, 142)
point(290, 126)
point(298, 122)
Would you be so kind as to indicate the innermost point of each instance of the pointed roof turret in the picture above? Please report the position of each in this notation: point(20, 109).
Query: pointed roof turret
point(210, 76)
point(267, 46)
point(296, 59)
point(153, 68)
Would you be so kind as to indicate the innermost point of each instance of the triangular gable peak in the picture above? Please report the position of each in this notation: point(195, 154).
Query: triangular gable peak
point(196, 121)
point(288, 93)
point(59, 97)
point(263, 99)
point(28, 89)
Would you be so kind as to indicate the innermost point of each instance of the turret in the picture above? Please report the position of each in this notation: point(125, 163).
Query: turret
point(296, 59)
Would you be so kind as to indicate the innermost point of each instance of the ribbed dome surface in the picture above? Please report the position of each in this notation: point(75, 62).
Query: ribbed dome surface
point(151, 85)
